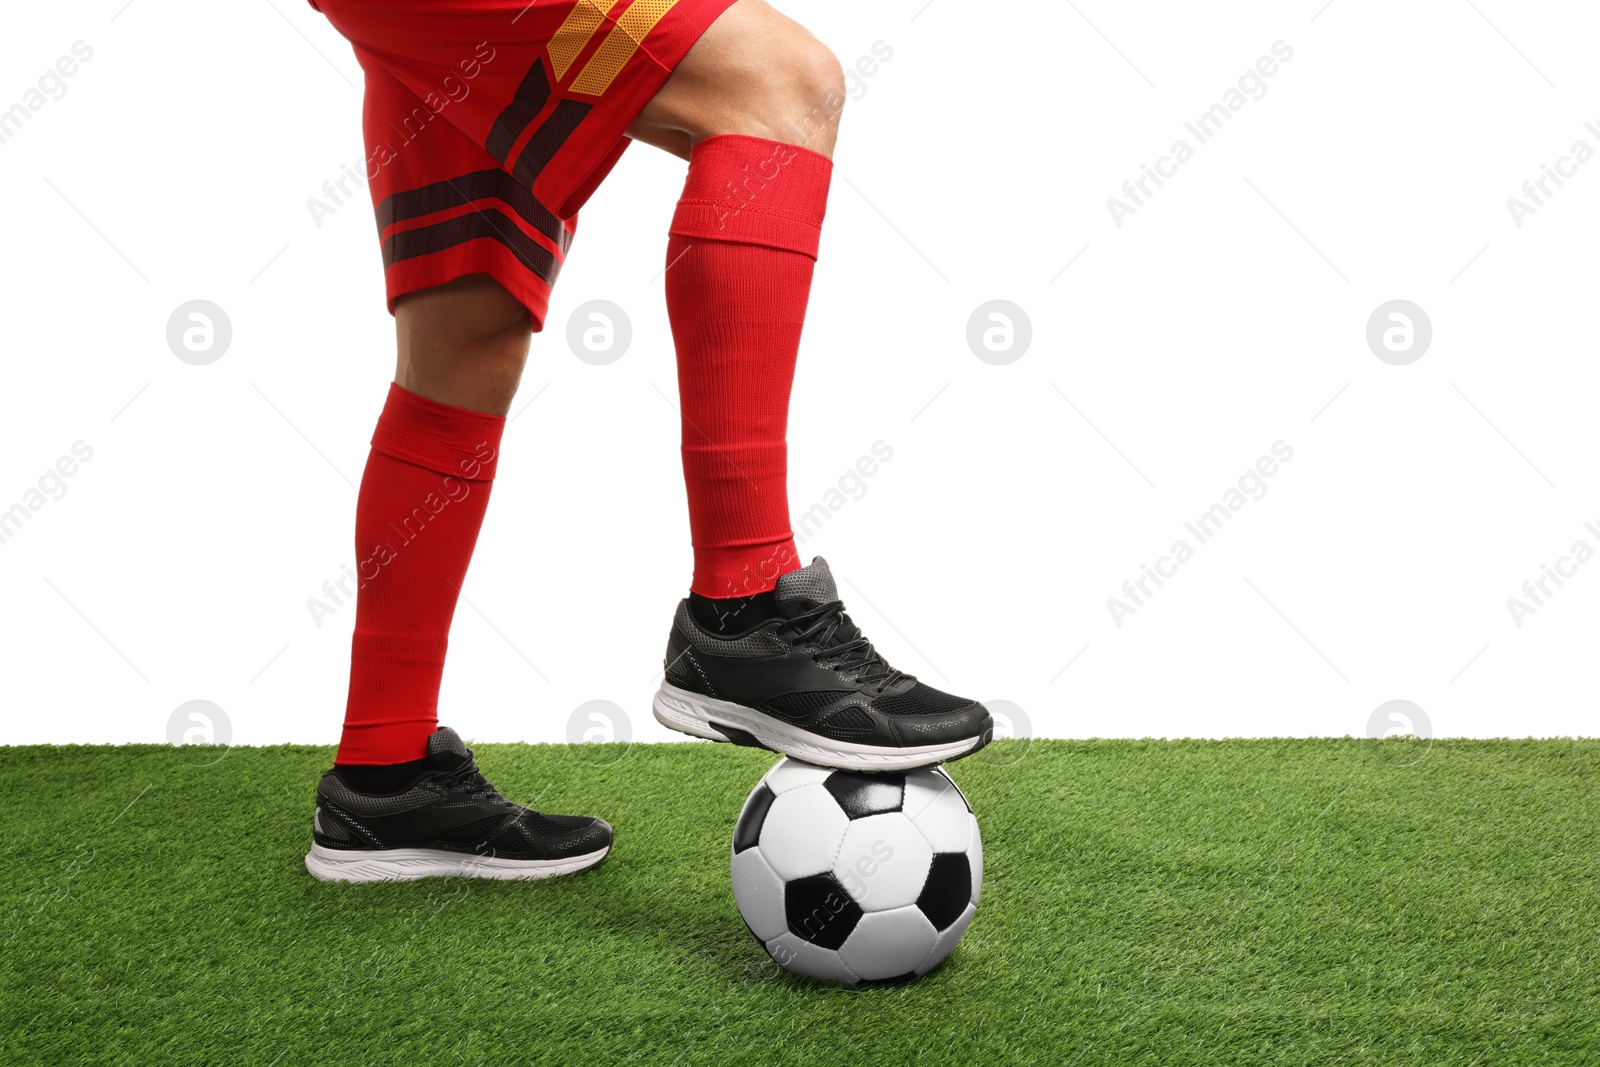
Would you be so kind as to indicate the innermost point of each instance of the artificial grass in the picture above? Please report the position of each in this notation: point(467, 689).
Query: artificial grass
point(1240, 902)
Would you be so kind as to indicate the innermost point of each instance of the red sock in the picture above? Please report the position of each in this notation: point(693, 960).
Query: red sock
point(422, 500)
point(742, 246)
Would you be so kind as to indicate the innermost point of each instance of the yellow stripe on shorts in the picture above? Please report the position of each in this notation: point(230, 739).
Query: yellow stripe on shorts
point(569, 40)
point(620, 44)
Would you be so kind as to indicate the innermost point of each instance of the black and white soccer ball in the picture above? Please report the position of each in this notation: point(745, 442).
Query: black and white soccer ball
point(857, 877)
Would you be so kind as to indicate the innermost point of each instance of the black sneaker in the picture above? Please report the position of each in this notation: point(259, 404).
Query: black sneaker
point(450, 821)
point(809, 685)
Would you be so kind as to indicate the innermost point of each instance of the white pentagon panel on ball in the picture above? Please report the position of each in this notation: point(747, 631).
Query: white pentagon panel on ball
point(975, 858)
point(945, 941)
point(935, 804)
point(758, 891)
point(889, 944)
point(789, 774)
point(802, 831)
point(883, 862)
point(793, 954)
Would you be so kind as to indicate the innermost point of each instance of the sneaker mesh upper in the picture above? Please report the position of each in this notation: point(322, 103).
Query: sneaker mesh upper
point(467, 833)
point(333, 788)
point(445, 739)
point(540, 823)
point(760, 643)
point(800, 591)
point(850, 718)
point(920, 699)
point(808, 703)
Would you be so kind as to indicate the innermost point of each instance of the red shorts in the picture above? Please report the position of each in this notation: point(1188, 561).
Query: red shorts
point(488, 123)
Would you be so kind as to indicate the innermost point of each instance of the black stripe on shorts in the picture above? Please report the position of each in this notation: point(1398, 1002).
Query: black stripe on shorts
point(454, 192)
point(548, 139)
point(488, 222)
point(532, 95)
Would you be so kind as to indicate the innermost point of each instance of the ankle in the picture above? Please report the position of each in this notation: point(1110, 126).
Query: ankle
point(377, 778)
point(732, 615)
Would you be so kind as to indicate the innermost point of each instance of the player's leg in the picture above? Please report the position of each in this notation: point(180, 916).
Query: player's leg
point(422, 500)
point(761, 651)
point(754, 106)
point(405, 798)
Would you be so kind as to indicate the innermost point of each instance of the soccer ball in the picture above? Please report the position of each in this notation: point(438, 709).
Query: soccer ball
point(858, 878)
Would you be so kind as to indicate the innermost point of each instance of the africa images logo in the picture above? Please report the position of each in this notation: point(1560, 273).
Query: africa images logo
point(1251, 485)
point(1252, 85)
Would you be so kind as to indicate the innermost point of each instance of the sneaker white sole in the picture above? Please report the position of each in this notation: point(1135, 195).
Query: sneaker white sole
point(409, 864)
point(700, 716)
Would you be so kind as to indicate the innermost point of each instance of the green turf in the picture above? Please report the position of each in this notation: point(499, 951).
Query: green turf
point(1163, 903)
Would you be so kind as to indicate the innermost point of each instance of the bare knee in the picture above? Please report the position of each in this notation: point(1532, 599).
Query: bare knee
point(813, 94)
point(463, 343)
point(755, 72)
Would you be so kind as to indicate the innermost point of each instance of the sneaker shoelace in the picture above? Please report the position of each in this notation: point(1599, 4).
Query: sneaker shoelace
point(841, 642)
point(467, 778)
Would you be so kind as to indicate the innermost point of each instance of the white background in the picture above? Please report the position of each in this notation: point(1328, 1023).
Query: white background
point(1227, 314)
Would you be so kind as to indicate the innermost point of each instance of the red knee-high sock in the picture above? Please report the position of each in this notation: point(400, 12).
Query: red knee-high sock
point(422, 500)
point(741, 251)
